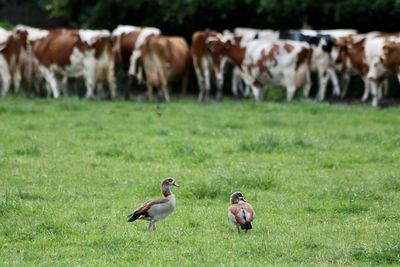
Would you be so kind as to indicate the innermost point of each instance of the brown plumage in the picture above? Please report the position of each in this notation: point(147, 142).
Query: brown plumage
point(240, 212)
point(157, 209)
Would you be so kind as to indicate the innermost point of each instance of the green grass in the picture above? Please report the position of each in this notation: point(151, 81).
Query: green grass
point(324, 181)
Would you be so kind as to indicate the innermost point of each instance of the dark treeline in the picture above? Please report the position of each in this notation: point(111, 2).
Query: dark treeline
point(185, 16)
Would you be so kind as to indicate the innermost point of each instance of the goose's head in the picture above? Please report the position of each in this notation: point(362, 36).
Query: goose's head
point(169, 181)
point(166, 185)
point(236, 197)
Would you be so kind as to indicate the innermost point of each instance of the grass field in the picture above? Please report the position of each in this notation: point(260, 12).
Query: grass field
point(324, 181)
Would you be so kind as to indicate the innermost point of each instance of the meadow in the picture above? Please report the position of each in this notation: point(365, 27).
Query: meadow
point(324, 181)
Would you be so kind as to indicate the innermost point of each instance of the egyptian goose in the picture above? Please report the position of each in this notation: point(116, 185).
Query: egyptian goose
point(157, 209)
point(240, 212)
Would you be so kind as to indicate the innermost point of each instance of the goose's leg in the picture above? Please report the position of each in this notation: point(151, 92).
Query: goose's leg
point(154, 226)
point(151, 225)
point(238, 229)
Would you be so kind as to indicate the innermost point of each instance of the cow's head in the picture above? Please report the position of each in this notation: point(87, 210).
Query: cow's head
point(376, 68)
point(327, 43)
point(221, 43)
point(340, 51)
point(21, 37)
point(391, 55)
point(217, 45)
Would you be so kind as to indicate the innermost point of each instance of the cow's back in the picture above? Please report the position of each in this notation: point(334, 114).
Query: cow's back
point(128, 42)
point(173, 53)
point(180, 55)
point(57, 48)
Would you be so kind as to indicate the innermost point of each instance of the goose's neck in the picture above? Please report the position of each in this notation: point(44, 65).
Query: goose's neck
point(166, 191)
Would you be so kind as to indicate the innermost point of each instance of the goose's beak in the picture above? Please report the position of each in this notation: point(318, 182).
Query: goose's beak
point(175, 184)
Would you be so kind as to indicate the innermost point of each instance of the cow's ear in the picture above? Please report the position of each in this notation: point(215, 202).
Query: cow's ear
point(386, 50)
point(228, 44)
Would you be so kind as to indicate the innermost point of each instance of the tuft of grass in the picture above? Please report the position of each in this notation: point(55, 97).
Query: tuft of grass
point(352, 208)
point(71, 106)
point(189, 151)
point(269, 143)
point(223, 183)
point(391, 183)
point(113, 152)
point(266, 143)
point(28, 150)
point(386, 253)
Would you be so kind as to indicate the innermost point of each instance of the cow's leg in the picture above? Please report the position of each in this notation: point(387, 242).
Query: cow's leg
point(200, 79)
point(64, 86)
point(51, 83)
point(307, 84)
point(323, 83)
point(207, 79)
point(164, 88)
point(345, 84)
point(383, 89)
point(100, 93)
point(139, 75)
point(128, 81)
point(111, 80)
point(17, 78)
point(5, 78)
point(246, 91)
point(220, 84)
point(149, 90)
point(90, 85)
point(258, 95)
point(235, 81)
point(374, 91)
point(386, 87)
point(367, 89)
point(335, 81)
point(89, 75)
point(290, 85)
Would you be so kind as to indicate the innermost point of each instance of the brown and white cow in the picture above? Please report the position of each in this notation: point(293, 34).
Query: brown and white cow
point(350, 60)
point(383, 59)
point(30, 64)
point(12, 53)
point(206, 63)
point(321, 61)
point(248, 35)
point(101, 42)
point(261, 62)
point(128, 42)
point(64, 53)
point(165, 58)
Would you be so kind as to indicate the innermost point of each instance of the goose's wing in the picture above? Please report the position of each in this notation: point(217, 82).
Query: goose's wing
point(241, 213)
point(142, 210)
point(234, 213)
point(250, 214)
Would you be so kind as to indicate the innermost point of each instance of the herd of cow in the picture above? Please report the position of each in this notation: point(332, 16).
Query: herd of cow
point(51, 57)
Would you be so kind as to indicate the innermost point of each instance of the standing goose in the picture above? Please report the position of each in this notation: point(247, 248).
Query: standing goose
point(157, 209)
point(240, 212)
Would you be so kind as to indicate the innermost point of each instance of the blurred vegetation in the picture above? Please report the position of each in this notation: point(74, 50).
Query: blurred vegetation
point(6, 25)
point(185, 16)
